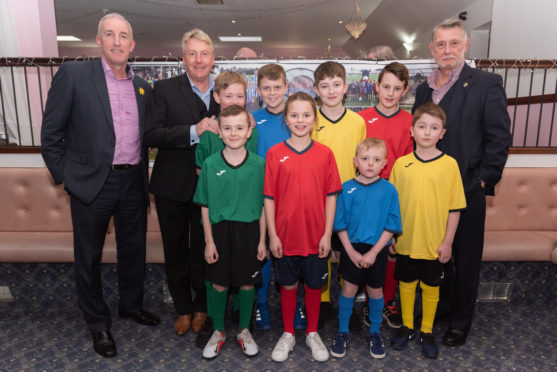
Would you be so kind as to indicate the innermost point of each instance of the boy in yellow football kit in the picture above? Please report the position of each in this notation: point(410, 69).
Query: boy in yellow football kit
point(341, 130)
point(431, 198)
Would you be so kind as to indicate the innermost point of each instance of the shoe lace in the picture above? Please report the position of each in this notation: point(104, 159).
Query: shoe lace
point(315, 341)
point(284, 344)
point(215, 338)
point(392, 309)
point(246, 336)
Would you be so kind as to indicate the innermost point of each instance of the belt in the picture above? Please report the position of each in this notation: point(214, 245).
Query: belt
point(122, 166)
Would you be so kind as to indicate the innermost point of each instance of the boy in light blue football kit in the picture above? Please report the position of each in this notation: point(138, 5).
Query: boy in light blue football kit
point(271, 129)
point(367, 217)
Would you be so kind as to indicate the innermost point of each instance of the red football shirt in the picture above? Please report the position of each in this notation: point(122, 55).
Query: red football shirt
point(299, 183)
point(394, 130)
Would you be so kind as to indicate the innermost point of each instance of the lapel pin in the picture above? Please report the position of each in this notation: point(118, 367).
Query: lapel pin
point(465, 85)
point(141, 91)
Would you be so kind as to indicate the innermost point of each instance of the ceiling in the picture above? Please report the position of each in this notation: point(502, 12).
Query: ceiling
point(289, 28)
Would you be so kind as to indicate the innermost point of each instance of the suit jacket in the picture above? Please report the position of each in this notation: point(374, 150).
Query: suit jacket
point(478, 126)
point(173, 109)
point(77, 134)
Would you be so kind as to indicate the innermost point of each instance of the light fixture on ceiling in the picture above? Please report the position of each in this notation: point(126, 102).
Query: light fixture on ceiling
point(408, 41)
point(356, 26)
point(225, 39)
point(210, 2)
point(67, 38)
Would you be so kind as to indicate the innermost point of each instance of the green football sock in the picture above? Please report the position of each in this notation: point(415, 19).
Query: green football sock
point(246, 300)
point(216, 306)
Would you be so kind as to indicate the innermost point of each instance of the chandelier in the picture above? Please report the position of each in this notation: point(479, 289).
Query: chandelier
point(356, 26)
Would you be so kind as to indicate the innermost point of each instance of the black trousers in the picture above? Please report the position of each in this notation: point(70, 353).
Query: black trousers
point(122, 196)
point(460, 288)
point(184, 247)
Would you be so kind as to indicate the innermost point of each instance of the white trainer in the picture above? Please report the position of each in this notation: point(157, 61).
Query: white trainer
point(246, 341)
point(284, 345)
point(318, 350)
point(214, 345)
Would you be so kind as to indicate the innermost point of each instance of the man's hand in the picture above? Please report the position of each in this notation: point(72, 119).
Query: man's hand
point(207, 124)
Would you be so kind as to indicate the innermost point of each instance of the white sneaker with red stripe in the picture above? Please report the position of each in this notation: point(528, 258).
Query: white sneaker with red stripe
point(214, 345)
point(247, 343)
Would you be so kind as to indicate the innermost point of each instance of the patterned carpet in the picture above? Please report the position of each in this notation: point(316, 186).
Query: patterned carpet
point(43, 330)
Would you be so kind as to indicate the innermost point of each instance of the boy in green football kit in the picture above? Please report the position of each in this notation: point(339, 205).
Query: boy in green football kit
point(230, 192)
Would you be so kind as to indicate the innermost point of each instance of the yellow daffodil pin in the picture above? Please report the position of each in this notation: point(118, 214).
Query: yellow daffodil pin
point(141, 91)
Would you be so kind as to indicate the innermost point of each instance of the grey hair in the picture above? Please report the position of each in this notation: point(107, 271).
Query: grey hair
point(450, 23)
point(196, 34)
point(114, 15)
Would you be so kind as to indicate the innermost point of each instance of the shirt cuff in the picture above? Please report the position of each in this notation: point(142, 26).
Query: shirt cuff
point(193, 136)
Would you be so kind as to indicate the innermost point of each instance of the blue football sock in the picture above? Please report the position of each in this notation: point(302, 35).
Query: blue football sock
point(345, 306)
point(263, 287)
point(375, 314)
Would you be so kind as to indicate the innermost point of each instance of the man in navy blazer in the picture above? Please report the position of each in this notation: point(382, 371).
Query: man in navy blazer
point(478, 137)
point(181, 109)
point(92, 143)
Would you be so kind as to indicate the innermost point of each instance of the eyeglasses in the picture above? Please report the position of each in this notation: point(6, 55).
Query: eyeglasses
point(453, 44)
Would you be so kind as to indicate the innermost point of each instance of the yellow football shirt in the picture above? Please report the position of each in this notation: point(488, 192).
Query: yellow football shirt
point(342, 137)
point(428, 191)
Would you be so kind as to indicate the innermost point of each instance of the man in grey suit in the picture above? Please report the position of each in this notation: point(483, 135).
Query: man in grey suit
point(92, 143)
point(478, 137)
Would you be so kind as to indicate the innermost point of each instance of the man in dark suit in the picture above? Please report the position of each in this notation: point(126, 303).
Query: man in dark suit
point(180, 110)
point(478, 137)
point(91, 142)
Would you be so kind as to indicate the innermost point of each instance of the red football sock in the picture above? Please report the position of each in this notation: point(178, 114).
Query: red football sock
point(390, 282)
point(313, 304)
point(288, 306)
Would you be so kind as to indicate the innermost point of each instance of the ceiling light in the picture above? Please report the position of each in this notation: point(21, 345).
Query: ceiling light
point(339, 22)
point(239, 34)
point(240, 38)
point(356, 26)
point(67, 38)
point(209, 2)
point(233, 21)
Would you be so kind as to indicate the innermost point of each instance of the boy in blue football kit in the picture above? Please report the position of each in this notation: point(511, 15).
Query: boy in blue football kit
point(366, 218)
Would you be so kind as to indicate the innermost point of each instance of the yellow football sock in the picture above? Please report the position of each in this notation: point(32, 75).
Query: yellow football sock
point(325, 290)
point(430, 299)
point(407, 299)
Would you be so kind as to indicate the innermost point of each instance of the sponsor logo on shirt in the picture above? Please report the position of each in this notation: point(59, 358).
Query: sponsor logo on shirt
point(255, 274)
point(352, 190)
point(372, 120)
point(221, 172)
point(284, 159)
point(409, 164)
point(319, 129)
point(324, 276)
point(262, 121)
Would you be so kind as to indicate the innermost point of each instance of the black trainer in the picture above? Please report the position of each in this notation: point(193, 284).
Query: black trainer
point(400, 341)
point(391, 314)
